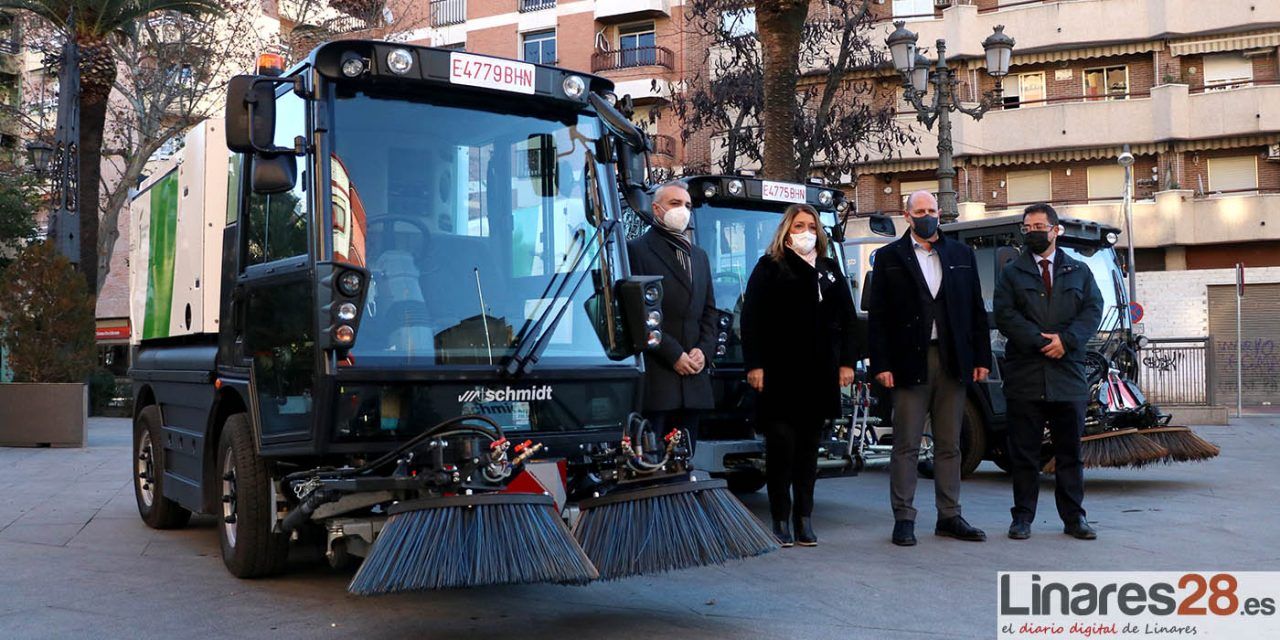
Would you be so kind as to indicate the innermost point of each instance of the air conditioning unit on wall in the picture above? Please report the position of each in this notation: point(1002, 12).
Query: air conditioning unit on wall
point(1273, 152)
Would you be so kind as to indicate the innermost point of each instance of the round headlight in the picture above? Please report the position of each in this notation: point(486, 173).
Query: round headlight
point(720, 350)
point(724, 321)
point(346, 312)
point(654, 339)
point(843, 206)
point(709, 191)
point(735, 187)
point(825, 198)
point(352, 64)
point(1112, 238)
point(574, 87)
point(1143, 342)
point(610, 97)
point(400, 61)
point(652, 294)
point(722, 338)
point(349, 283)
point(653, 320)
point(344, 334)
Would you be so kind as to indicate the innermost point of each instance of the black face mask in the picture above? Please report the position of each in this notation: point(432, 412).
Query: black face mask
point(925, 226)
point(1037, 241)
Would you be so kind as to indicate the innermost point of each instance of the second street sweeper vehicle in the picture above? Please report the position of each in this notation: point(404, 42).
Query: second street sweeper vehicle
point(387, 308)
point(1122, 429)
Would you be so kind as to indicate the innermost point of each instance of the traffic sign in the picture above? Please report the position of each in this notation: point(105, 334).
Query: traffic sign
point(1135, 312)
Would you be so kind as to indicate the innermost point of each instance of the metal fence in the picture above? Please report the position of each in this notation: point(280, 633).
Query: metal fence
point(1177, 371)
point(536, 5)
point(447, 12)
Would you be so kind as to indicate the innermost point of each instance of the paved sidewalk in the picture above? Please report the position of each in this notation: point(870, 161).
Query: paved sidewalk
point(76, 561)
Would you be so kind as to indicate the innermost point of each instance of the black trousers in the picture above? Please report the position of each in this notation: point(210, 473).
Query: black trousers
point(661, 422)
point(791, 463)
point(1027, 422)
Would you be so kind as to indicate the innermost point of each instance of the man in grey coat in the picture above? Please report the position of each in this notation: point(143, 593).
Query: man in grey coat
point(1048, 307)
point(677, 380)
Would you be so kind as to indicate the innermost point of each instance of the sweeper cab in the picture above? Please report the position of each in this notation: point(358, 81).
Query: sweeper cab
point(733, 219)
point(1121, 428)
point(385, 305)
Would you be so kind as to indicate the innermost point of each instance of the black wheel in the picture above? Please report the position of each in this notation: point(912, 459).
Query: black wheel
point(1001, 459)
point(924, 463)
point(250, 548)
point(156, 510)
point(973, 440)
point(746, 481)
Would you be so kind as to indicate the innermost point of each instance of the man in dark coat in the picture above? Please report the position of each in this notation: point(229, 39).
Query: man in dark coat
point(1048, 307)
point(929, 339)
point(677, 381)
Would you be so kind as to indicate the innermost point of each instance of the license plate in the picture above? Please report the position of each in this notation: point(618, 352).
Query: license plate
point(783, 192)
point(491, 73)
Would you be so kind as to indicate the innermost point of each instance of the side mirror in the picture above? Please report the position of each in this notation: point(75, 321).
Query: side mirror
point(882, 225)
point(633, 159)
point(866, 292)
point(251, 113)
point(273, 173)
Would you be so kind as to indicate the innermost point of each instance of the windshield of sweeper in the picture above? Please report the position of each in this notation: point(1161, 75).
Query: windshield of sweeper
point(473, 221)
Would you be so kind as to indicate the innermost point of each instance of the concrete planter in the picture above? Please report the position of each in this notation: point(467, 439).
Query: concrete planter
point(43, 414)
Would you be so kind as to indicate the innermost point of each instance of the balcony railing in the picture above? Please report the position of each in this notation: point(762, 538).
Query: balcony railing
point(10, 47)
point(447, 12)
point(663, 144)
point(536, 5)
point(632, 57)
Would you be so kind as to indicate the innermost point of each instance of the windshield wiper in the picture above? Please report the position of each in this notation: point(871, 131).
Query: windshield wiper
point(534, 337)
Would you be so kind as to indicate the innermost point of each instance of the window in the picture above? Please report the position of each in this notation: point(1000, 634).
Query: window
point(1106, 83)
point(1106, 182)
point(1239, 173)
point(1026, 187)
point(908, 188)
point(1227, 71)
point(637, 45)
point(918, 8)
point(1024, 87)
point(278, 221)
point(540, 46)
point(738, 23)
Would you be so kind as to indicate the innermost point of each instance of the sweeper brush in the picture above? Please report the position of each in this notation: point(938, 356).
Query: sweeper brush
point(1118, 449)
point(671, 526)
point(472, 541)
point(1182, 443)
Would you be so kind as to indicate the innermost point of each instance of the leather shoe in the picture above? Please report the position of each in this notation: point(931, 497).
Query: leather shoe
point(956, 527)
point(804, 533)
point(1020, 530)
point(904, 533)
point(1080, 530)
point(782, 531)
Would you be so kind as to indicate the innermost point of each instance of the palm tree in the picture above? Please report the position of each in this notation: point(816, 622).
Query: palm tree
point(93, 24)
point(780, 24)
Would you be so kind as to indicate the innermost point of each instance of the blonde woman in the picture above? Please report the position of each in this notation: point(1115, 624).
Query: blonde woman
point(798, 343)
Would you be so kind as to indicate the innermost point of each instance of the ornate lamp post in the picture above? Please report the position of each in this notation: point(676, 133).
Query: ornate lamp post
point(916, 78)
point(64, 223)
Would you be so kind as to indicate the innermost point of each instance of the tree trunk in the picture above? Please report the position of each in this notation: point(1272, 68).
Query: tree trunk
point(780, 24)
point(93, 117)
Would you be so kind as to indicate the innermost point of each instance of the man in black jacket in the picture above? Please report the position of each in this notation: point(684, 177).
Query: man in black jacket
point(677, 381)
point(1048, 307)
point(929, 338)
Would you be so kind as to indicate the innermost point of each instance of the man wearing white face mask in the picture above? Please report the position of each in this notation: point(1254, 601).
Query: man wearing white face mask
point(677, 382)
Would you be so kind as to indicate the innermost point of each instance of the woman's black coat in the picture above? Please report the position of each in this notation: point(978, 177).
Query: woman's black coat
point(799, 342)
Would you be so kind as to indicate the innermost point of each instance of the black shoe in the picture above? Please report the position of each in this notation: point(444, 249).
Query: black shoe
point(782, 531)
point(904, 533)
point(804, 533)
point(1020, 530)
point(956, 527)
point(1080, 530)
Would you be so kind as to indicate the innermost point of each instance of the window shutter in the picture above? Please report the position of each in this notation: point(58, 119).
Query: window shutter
point(1233, 174)
point(1026, 187)
point(1227, 67)
point(1106, 182)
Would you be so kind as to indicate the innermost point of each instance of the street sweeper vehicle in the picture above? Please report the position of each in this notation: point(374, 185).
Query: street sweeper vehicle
point(1122, 429)
point(385, 306)
point(733, 219)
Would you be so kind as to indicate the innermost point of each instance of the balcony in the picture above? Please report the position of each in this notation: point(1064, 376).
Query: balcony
point(1081, 22)
point(536, 5)
point(663, 145)
point(620, 10)
point(448, 12)
point(632, 58)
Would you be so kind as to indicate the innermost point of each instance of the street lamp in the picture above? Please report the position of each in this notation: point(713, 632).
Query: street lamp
point(38, 154)
point(916, 78)
point(1125, 160)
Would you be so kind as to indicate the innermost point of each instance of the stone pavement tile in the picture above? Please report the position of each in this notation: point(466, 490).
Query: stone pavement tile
point(45, 534)
point(68, 621)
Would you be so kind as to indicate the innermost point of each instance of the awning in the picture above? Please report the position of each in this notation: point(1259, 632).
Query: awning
point(1227, 143)
point(112, 330)
point(1061, 155)
point(1079, 53)
point(895, 166)
point(1236, 42)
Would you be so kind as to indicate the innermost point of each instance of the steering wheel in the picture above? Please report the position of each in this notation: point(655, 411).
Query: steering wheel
point(416, 221)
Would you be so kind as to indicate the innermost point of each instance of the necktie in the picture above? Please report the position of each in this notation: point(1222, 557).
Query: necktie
point(1048, 281)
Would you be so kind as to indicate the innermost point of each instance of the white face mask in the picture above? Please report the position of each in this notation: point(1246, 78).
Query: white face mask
point(676, 219)
point(803, 243)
